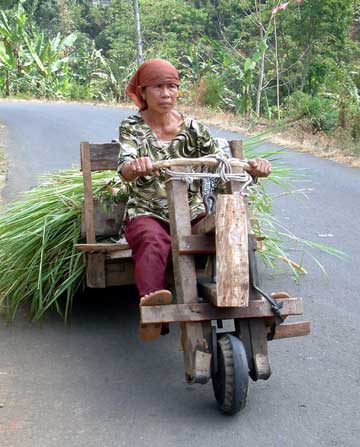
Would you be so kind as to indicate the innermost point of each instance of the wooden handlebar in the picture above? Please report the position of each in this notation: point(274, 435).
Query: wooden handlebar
point(197, 162)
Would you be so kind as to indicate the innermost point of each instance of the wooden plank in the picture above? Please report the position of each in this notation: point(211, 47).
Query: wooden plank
point(195, 312)
point(232, 263)
point(192, 335)
point(292, 330)
point(205, 225)
point(102, 248)
point(119, 273)
point(103, 156)
point(95, 270)
point(108, 218)
point(88, 196)
point(197, 244)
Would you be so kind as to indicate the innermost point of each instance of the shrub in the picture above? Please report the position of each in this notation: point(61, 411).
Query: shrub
point(214, 87)
point(321, 112)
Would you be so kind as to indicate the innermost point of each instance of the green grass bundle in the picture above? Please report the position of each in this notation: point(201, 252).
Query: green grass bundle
point(38, 259)
point(280, 244)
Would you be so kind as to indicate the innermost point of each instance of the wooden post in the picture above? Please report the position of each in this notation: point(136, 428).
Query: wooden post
point(88, 196)
point(236, 147)
point(95, 270)
point(192, 335)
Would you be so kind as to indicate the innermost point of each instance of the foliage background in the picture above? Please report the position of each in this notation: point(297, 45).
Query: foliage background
point(234, 55)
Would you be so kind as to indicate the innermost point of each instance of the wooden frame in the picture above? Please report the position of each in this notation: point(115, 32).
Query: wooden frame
point(110, 264)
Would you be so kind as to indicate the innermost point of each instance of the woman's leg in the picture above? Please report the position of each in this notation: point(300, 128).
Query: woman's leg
point(150, 242)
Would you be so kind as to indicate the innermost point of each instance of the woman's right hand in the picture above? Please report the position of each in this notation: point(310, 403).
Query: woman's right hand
point(138, 168)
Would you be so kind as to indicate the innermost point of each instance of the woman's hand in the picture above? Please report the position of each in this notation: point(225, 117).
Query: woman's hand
point(138, 168)
point(259, 167)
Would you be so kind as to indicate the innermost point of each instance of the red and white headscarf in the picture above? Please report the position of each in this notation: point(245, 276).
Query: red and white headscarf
point(151, 72)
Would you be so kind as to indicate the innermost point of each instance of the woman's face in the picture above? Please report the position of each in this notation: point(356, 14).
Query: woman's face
point(160, 98)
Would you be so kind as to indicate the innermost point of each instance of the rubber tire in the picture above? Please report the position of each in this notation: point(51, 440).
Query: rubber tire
point(231, 381)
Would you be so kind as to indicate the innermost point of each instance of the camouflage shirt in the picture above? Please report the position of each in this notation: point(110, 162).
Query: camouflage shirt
point(148, 194)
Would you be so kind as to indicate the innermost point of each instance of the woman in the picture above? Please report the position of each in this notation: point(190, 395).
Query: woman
point(155, 133)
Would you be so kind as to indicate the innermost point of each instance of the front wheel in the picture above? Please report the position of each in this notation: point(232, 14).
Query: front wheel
point(231, 379)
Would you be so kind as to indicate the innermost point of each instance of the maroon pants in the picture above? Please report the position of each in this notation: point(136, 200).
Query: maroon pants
point(150, 242)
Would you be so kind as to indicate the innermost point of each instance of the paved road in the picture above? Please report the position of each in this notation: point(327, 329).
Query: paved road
point(93, 384)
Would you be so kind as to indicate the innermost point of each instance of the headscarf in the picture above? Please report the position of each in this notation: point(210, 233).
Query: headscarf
point(151, 72)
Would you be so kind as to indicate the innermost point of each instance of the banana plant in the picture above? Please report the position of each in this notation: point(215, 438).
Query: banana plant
point(50, 55)
point(13, 58)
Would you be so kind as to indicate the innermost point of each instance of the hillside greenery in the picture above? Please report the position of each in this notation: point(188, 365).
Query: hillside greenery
point(299, 61)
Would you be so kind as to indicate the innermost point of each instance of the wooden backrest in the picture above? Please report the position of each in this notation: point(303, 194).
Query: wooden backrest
point(95, 220)
point(103, 157)
point(99, 156)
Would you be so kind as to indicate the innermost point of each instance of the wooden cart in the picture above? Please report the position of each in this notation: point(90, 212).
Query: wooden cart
point(225, 323)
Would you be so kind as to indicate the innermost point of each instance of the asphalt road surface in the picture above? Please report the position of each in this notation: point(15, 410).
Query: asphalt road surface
point(93, 384)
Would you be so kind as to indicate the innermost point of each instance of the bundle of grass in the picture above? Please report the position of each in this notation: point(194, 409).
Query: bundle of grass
point(280, 244)
point(38, 260)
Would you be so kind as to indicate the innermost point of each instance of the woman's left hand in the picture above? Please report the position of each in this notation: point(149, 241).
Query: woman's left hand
point(259, 167)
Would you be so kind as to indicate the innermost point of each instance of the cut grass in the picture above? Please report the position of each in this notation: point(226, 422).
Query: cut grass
point(38, 259)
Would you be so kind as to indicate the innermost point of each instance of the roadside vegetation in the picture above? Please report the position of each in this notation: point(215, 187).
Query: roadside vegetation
point(263, 63)
point(3, 161)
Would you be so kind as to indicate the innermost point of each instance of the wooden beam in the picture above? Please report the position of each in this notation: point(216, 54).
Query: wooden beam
point(292, 330)
point(232, 263)
point(205, 225)
point(196, 312)
point(102, 248)
point(88, 195)
point(197, 244)
point(192, 335)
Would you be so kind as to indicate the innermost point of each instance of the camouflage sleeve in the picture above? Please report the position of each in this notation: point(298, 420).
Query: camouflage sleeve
point(129, 145)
